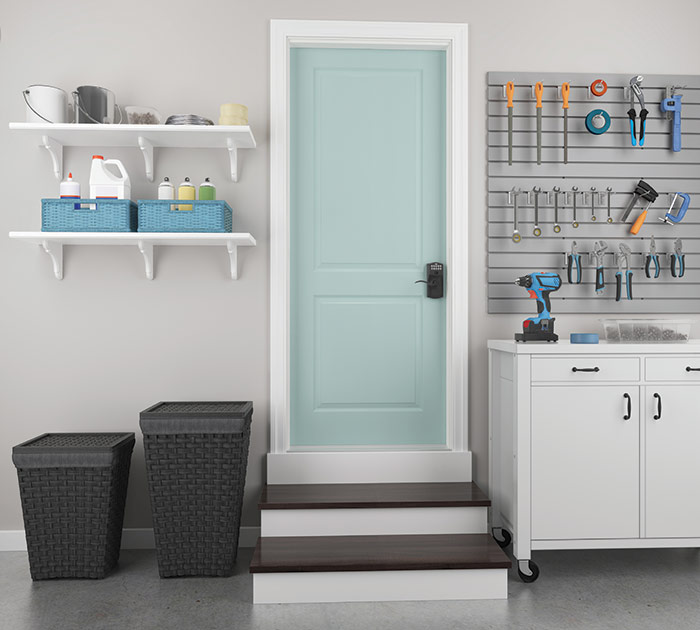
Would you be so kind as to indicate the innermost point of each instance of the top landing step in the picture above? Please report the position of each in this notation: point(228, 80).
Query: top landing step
point(371, 495)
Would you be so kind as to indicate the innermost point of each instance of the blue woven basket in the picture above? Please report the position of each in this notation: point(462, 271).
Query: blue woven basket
point(164, 215)
point(88, 215)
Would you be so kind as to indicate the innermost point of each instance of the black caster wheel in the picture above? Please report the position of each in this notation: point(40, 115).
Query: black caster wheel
point(534, 572)
point(507, 538)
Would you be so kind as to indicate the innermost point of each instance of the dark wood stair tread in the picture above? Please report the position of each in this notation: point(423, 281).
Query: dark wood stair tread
point(300, 554)
point(371, 495)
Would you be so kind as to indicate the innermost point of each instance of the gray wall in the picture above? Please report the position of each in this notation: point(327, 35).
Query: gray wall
point(91, 351)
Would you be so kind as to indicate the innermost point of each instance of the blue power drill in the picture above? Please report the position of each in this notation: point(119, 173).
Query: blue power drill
point(539, 286)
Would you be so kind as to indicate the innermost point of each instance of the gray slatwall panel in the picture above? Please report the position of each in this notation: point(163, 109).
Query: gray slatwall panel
point(600, 161)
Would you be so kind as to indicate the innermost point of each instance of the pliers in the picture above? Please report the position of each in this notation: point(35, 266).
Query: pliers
point(636, 90)
point(677, 259)
point(573, 261)
point(623, 268)
point(652, 257)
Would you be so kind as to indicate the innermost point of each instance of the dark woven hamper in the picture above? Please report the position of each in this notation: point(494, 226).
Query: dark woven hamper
point(73, 490)
point(196, 460)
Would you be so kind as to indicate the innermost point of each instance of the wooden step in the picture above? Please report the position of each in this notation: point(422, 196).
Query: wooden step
point(373, 509)
point(371, 495)
point(294, 554)
point(378, 568)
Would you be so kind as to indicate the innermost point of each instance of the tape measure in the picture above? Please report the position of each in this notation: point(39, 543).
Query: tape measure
point(599, 87)
point(598, 121)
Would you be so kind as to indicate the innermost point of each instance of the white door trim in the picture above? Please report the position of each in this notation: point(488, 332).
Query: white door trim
point(285, 34)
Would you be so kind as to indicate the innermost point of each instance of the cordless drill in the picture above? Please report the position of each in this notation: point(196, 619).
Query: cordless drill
point(539, 286)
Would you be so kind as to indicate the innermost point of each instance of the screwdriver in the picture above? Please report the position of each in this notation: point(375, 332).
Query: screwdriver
point(539, 89)
point(510, 90)
point(565, 89)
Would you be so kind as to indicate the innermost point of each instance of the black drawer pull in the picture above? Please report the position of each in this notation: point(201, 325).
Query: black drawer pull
point(689, 369)
point(658, 407)
point(593, 369)
point(628, 415)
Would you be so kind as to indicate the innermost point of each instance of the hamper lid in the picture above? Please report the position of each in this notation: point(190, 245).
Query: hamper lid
point(197, 417)
point(70, 449)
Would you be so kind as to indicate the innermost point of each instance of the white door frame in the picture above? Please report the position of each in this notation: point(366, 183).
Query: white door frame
point(286, 34)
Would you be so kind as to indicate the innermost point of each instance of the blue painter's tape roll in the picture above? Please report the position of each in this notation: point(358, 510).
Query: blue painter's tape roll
point(583, 338)
point(595, 114)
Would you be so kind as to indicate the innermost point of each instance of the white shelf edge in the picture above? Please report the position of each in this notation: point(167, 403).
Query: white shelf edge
point(53, 242)
point(53, 137)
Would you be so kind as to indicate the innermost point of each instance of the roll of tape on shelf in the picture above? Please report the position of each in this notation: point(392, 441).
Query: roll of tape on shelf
point(598, 121)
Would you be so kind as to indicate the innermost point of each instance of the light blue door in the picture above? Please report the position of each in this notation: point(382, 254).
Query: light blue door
point(367, 186)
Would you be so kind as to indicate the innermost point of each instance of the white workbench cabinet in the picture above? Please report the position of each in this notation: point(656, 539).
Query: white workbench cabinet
point(593, 446)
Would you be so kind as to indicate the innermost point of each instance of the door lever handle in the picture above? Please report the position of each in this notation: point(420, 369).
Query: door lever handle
point(435, 280)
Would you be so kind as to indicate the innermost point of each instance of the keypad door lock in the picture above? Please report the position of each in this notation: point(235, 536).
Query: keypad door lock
point(435, 274)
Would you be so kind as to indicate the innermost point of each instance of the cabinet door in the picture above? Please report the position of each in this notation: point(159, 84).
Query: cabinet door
point(673, 461)
point(585, 462)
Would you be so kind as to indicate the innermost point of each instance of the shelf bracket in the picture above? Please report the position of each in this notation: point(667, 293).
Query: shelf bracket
point(233, 157)
point(55, 150)
point(146, 250)
point(147, 152)
point(55, 251)
point(233, 257)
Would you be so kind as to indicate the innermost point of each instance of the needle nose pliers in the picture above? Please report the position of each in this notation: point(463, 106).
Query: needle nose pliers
point(652, 257)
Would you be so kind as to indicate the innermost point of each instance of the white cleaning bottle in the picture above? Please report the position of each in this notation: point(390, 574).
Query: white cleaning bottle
point(106, 185)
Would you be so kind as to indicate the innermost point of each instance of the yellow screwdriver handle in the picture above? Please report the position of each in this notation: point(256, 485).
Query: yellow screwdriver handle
point(510, 90)
point(565, 89)
point(539, 89)
point(638, 223)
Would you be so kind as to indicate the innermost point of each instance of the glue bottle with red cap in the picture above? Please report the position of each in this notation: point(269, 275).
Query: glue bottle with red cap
point(69, 188)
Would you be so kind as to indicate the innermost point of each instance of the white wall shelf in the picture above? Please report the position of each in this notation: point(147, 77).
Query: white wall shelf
point(53, 242)
point(53, 137)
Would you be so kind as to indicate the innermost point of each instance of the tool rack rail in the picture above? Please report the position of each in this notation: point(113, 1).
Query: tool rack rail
point(599, 167)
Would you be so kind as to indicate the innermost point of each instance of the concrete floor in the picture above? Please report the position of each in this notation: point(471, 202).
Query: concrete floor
point(619, 590)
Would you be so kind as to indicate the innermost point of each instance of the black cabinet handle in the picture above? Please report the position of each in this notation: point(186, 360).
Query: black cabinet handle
point(628, 415)
point(593, 369)
point(658, 407)
point(689, 369)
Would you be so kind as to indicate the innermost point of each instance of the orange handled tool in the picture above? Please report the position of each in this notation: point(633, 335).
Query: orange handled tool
point(539, 90)
point(510, 90)
point(565, 90)
point(638, 223)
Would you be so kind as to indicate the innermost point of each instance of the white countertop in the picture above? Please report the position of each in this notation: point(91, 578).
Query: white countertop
point(566, 347)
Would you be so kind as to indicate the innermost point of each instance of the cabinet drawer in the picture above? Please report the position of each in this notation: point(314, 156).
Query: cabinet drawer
point(585, 368)
point(673, 368)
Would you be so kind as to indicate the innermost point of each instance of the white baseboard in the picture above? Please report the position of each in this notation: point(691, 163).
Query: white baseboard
point(369, 467)
point(132, 538)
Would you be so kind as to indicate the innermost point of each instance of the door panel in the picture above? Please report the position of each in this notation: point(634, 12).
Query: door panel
point(585, 463)
point(367, 191)
point(672, 462)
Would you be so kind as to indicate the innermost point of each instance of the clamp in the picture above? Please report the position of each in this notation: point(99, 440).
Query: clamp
point(672, 218)
point(636, 90)
point(623, 268)
point(677, 259)
point(573, 261)
point(652, 257)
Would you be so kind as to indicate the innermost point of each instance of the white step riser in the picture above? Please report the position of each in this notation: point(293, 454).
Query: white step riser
point(380, 586)
point(374, 521)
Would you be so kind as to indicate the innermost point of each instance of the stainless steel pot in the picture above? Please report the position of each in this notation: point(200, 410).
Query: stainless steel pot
point(94, 104)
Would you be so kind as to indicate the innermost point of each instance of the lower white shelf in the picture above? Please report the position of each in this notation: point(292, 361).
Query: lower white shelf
point(53, 242)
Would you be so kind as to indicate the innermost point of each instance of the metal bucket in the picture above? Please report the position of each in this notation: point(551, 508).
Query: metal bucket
point(94, 104)
point(46, 103)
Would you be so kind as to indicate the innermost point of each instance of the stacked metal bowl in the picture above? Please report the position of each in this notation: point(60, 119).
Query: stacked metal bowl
point(187, 119)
